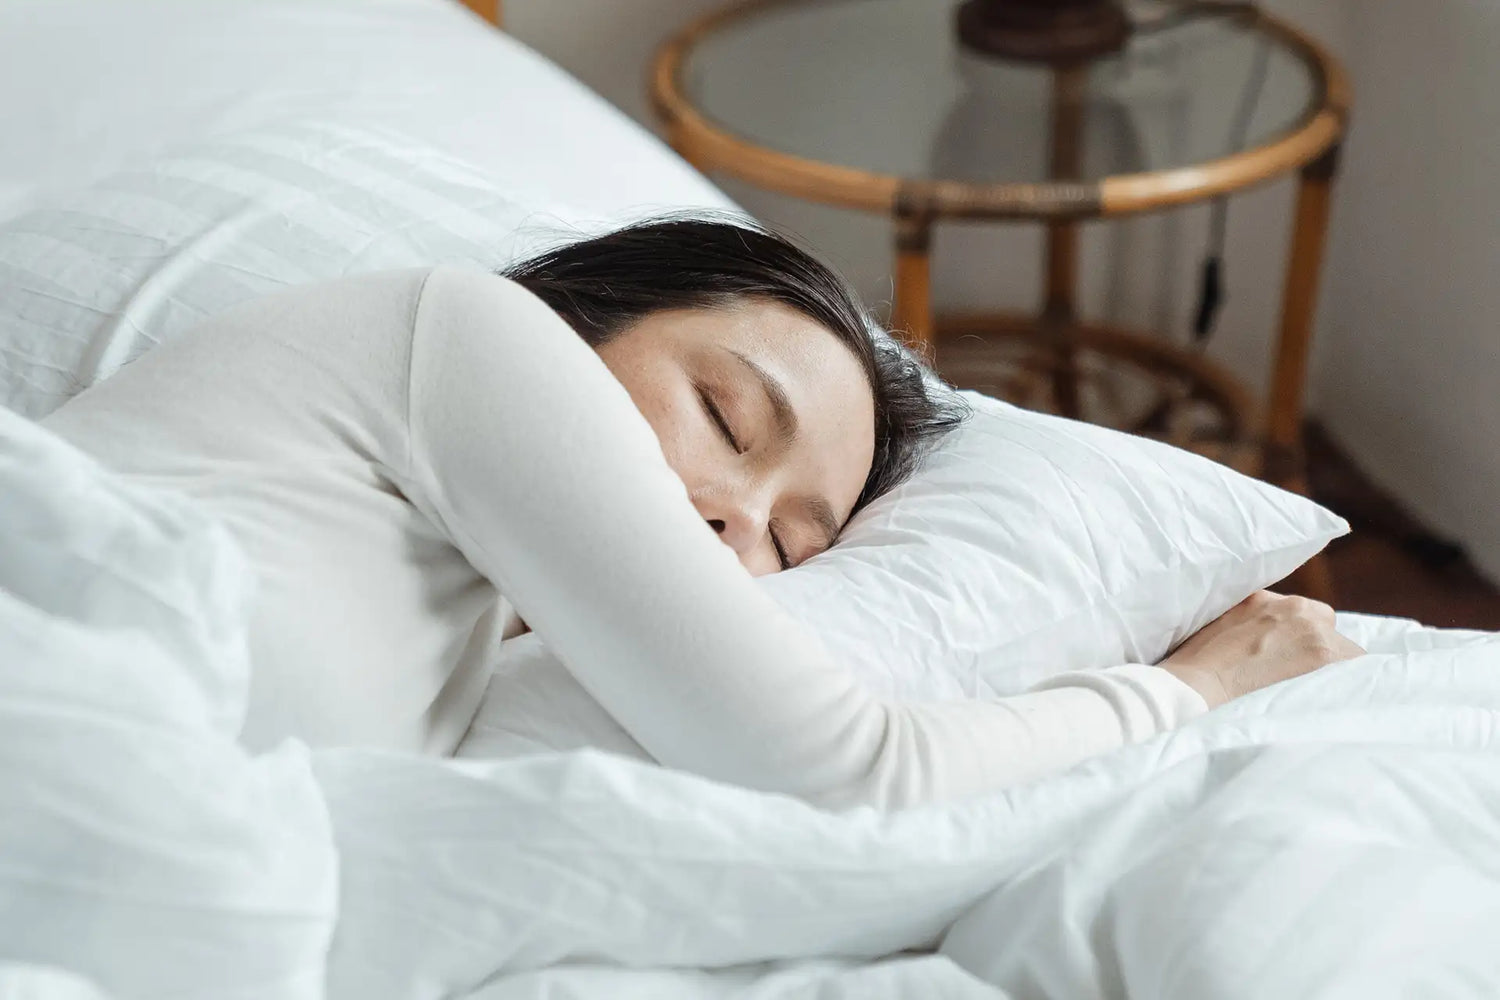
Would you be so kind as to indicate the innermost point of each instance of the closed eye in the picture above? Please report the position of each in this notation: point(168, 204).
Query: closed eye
point(717, 416)
point(781, 556)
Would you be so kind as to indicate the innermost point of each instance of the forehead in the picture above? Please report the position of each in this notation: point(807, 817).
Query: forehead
point(784, 332)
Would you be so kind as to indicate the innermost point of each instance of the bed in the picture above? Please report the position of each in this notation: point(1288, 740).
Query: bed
point(1331, 837)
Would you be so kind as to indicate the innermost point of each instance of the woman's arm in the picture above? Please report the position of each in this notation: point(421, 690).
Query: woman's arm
point(531, 455)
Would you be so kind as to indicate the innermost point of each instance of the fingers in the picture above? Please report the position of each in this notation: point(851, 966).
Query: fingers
point(1291, 604)
point(1265, 639)
point(1320, 618)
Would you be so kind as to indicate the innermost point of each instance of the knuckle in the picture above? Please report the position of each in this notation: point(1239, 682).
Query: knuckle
point(1306, 607)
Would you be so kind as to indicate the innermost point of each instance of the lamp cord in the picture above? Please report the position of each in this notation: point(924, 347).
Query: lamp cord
point(1211, 291)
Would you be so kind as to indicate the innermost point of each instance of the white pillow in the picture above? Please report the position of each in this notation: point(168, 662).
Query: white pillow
point(92, 279)
point(1030, 545)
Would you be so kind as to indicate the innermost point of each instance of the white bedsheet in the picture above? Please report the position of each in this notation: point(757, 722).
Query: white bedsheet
point(1334, 836)
point(87, 86)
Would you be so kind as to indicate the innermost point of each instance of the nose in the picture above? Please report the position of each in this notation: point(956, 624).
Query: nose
point(740, 520)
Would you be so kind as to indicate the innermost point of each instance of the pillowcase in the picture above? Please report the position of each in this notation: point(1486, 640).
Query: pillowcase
point(92, 279)
point(1030, 545)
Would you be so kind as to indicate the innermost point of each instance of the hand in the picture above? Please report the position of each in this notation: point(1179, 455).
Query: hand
point(1264, 639)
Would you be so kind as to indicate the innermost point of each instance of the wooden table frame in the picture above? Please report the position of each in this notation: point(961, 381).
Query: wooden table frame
point(492, 11)
point(1309, 147)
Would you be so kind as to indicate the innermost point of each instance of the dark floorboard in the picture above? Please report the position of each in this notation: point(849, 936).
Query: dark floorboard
point(1389, 564)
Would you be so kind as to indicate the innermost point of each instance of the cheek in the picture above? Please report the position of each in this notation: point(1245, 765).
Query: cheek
point(672, 414)
point(664, 395)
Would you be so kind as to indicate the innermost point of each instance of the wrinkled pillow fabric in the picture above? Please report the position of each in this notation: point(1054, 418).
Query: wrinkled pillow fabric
point(1029, 545)
point(92, 279)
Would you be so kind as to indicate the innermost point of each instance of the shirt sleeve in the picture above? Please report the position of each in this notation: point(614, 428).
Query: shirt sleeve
point(532, 458)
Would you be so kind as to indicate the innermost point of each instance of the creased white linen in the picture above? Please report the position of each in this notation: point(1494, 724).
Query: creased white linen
point(1348, 792)
point(1332, 836)
point(140, 848)
point(37, 982)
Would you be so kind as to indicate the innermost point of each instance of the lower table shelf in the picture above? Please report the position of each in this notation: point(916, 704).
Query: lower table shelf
point(1127, 380)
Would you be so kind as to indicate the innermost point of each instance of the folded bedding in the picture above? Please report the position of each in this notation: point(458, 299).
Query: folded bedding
point(1338, 829)
point(141, 848)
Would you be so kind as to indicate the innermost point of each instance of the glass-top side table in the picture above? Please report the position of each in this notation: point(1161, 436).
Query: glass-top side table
point(895, 115)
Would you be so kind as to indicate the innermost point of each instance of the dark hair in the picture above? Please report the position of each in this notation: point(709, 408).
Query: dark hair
point(603, 285)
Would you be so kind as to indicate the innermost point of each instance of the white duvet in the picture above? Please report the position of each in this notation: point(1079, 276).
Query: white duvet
point(1335, 836)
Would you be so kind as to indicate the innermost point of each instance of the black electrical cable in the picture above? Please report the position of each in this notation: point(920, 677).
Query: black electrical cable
point(1211, 287)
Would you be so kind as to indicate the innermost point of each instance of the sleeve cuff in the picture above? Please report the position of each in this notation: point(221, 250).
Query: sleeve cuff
point(1148, 700)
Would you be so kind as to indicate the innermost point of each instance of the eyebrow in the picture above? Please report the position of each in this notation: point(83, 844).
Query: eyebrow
point(781, 403)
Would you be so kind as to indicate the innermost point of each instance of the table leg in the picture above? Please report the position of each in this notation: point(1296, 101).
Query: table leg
point(490, 10)
point(1058, 310)
point(1299, 304)
point(911, 313)
point(1285, 463)
point(1059, 316)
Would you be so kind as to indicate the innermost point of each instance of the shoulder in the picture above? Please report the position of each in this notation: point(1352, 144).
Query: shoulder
point(335, 301)
point(469, 304)
point(477, 293)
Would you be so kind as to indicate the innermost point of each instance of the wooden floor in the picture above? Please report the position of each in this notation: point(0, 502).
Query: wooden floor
point(1389, 564)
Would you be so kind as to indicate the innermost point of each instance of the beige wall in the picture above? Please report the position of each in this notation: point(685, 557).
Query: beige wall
point(1410, 374)
point(1408, 359)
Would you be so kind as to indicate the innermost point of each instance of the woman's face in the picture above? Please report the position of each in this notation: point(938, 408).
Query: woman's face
point(765, 415)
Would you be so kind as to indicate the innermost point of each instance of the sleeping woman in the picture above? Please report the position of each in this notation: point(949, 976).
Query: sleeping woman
point(607, 442)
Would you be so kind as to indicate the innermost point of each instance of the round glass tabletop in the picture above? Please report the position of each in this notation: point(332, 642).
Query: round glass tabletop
point(884, 86)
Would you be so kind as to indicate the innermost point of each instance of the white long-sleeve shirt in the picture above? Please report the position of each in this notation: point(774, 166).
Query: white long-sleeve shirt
point(412, 458)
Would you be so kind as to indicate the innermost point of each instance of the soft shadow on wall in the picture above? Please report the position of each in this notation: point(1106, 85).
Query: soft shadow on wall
point(1409, 377)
